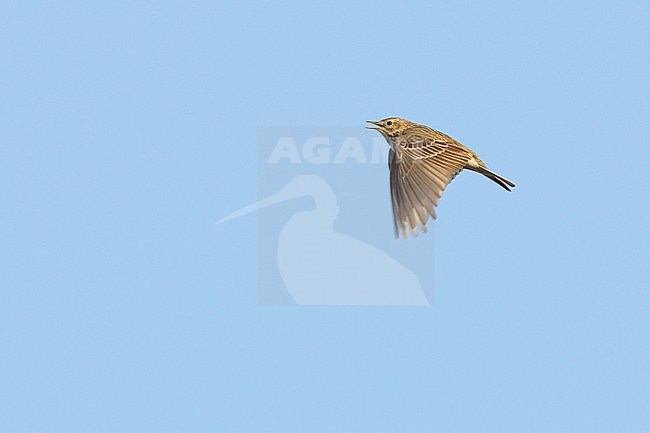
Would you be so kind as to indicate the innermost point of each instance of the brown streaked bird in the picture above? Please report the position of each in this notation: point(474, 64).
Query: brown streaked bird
point(422, 162)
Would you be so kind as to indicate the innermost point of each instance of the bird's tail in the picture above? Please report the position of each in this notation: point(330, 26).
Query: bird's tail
point(502, 181)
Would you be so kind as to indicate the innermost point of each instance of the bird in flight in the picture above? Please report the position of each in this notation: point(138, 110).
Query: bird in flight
point(422, 162)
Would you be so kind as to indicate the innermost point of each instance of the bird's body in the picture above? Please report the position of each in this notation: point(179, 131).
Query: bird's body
point(422, 163)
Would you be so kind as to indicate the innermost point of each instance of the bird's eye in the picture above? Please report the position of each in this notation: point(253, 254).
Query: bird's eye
point(390, 122)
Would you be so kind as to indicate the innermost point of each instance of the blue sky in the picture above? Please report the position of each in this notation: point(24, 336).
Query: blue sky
point(128, 129)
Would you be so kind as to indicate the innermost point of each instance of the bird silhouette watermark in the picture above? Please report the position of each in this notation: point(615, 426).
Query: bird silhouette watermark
point(320, 266)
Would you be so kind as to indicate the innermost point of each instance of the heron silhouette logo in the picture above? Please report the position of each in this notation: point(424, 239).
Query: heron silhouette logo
point(307, 255)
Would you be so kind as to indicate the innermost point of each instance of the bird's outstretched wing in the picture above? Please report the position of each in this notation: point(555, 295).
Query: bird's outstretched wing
point(421, 167)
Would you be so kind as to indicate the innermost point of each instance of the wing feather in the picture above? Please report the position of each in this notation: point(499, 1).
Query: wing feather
point(424, 162)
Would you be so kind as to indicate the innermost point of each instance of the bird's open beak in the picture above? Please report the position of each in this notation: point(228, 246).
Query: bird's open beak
point(377, 125)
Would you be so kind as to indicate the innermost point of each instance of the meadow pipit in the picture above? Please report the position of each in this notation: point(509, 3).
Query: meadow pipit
point(422, 162)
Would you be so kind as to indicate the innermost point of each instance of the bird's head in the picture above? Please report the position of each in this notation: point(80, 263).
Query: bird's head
point(390, 127)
